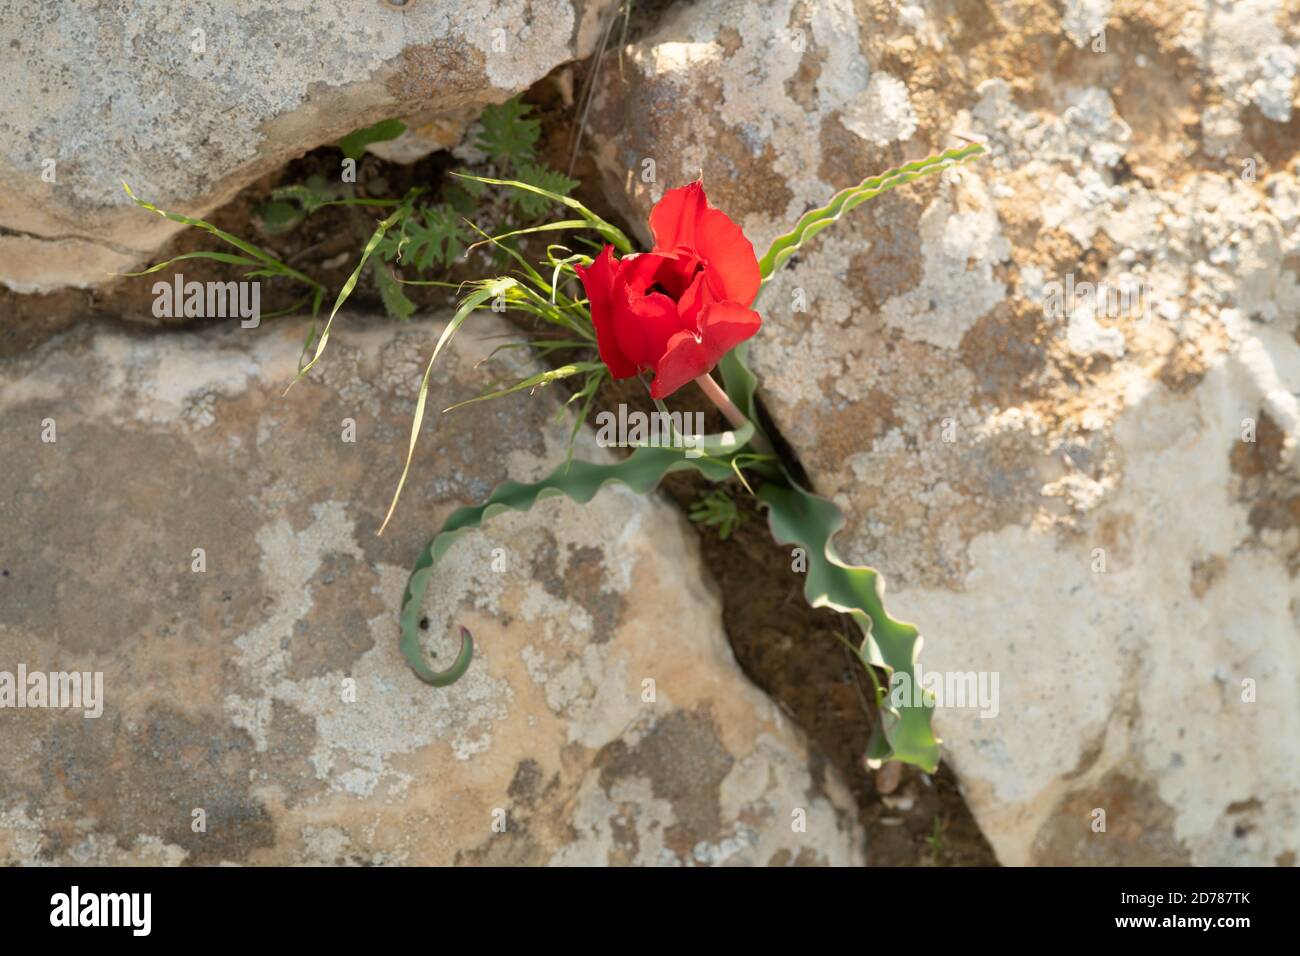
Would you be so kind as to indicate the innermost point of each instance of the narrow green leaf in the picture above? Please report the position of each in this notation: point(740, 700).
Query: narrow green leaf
point(585, 398)
point(348, 286)
point(545, 345)
point(291, 309)
point(548, 227)
point(226, 257)
point(533, 275)
point(246, 247)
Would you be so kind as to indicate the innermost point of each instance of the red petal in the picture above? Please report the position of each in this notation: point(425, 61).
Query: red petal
point(729, 260)
point(695, 298)
point(723, 326)
point(684, 219)
point(644, 324)
point(672, 220)
point(640, 270)
point(598, 280)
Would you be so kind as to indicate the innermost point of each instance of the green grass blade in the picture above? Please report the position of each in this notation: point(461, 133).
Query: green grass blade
point(533, 275)
point(348, 286)
point(243, 246)
point(227, 257)
point(356, 202)
point(585, 398)
point(472, 301)
point(612, 234)
point(548, 227)
point(287, 310)
point(545, 345)
point(540, 380)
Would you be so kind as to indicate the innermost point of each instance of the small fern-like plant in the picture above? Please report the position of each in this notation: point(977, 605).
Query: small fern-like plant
point(717, 509)
point(434, 235)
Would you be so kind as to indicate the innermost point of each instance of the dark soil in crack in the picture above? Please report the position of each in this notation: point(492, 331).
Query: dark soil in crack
point(786, 647)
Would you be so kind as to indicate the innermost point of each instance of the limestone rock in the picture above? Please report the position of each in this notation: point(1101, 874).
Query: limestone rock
point(191, 102)
point(1092, 495)
point(267, 689)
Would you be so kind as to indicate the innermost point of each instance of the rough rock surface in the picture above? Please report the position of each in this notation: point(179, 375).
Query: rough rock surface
point(227, 690)
point(1058, 495)
point(191, 102)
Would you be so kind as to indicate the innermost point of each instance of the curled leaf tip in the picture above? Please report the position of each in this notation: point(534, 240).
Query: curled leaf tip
point(458, 668)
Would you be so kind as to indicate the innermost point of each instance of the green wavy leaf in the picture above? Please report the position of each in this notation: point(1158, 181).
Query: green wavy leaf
point(579, 481)
point(811, 223)
point(801, 518)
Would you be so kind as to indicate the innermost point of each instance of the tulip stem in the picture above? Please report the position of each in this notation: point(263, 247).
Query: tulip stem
point(733, 414)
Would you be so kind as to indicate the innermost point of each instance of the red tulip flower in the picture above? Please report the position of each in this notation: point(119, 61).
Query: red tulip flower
point(679, 308)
